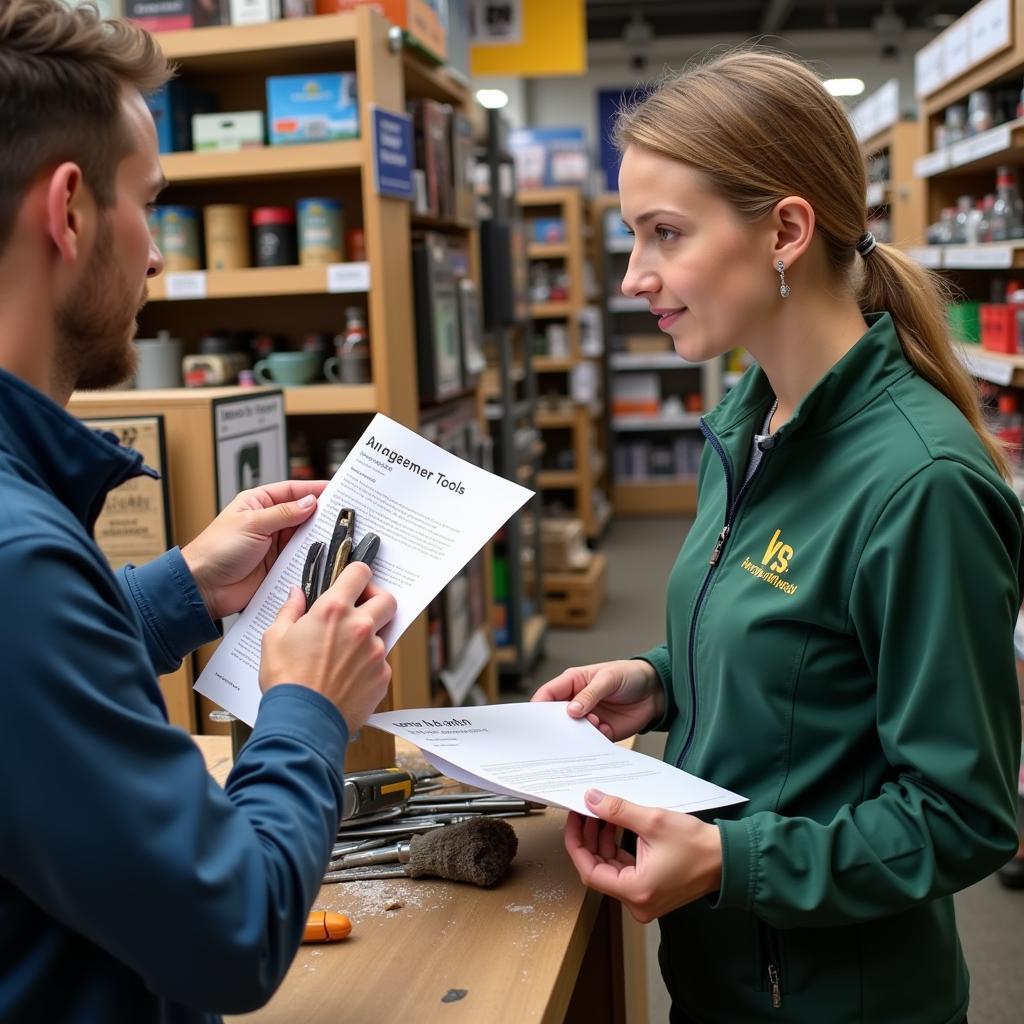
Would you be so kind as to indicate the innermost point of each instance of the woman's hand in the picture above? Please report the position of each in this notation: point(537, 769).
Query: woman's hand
point(619, 697)
point(232, 556)
point(678, 857)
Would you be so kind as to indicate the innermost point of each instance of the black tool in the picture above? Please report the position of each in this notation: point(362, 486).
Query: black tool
point(311, 572)
point(367, 792)
point(366, 550)
point(324, 562)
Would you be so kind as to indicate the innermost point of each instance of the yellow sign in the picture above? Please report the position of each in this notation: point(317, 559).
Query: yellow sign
point(528, 37)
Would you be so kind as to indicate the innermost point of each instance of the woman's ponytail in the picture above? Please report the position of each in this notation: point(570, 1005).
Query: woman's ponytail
point(917, 301)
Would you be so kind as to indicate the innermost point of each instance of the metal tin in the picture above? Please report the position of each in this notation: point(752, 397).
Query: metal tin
point(321, 231)
point(179, 230)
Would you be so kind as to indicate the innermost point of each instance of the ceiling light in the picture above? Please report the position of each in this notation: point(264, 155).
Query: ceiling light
point(495, 99)
point(845, 86)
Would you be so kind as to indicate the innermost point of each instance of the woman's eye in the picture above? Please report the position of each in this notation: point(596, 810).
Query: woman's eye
point(665, 234)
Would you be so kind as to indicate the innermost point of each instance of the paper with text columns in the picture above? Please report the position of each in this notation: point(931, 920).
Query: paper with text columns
point(432, 510)
point(537, 752)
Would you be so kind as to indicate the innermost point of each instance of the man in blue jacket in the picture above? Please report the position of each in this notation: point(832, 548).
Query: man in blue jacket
point(132, 888)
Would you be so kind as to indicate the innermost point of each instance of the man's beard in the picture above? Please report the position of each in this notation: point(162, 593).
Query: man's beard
point(96, 324)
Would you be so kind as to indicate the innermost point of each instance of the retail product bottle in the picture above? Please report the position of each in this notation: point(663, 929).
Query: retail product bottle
point(1007, 211)
point(351, 362)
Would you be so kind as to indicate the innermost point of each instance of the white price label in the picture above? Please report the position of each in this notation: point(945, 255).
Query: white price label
point(348, 277)
point(190, 285)
point(932, 163)
point(989, 28)
point(995, 140)
point(876, 194)
point(978, 257)
point(928, 69)
point(998, 371)
point(927, 255)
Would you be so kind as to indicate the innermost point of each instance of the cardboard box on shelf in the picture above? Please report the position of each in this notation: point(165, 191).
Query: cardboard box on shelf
point(173, 15)
point(420, 20)
point(312, 108)
point(647, 343)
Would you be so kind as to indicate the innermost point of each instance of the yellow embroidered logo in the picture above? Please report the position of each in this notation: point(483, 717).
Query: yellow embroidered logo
point(781, 553)
point(773, 565)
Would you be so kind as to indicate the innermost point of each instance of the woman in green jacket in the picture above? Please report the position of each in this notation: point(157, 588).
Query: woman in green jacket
point(840, 618)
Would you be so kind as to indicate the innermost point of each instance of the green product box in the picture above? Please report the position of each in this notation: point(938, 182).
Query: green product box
point(500, 579)
point(965, 322)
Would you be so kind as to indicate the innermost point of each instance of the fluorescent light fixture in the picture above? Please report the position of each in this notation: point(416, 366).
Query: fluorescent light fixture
point(844, 86)
point(495, 99)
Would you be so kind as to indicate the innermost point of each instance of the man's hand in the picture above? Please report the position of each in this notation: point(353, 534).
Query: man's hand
point(231, 557)
point(678, 857)
point(334, 648)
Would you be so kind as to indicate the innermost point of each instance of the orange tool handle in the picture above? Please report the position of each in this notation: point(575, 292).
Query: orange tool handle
point(326, 926)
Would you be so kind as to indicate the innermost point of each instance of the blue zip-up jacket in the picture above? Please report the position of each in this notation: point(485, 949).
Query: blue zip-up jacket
point(132, 887)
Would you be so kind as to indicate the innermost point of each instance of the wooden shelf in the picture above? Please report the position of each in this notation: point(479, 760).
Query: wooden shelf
point(628, 304)
point(245, 283)
point(269, 48)
point(546, 196)
point(551, 310)
point(986, 256)
point(547, 250)
point(319, 399)
point(655, 497)
point(314, 159)
point(429, 81)
point(559, 479)
point(1003, 144)
point(667, 360)
point(552, 364)
point(425, 222)
point(684, 421)
point(995, 367)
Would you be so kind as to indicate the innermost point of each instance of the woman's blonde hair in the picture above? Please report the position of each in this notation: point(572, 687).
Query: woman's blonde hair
point(761, 127)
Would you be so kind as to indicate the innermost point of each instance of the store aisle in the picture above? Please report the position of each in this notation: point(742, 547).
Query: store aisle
point(641, 553)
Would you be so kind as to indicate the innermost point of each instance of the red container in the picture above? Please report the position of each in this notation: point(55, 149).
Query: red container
point(999, 327)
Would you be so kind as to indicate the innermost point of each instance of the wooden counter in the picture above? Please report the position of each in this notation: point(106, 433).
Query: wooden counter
point(539, 947)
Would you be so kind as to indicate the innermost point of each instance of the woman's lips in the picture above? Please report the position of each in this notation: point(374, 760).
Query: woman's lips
point(667, 317)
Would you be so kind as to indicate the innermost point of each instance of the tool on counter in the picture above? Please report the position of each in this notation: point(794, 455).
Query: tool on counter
point(403, 826)
point(366, 793)
point(326, 926)
point(324, 562)
point(496, 806)
point(478, 851)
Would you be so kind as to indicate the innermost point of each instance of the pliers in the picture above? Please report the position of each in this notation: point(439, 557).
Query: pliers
point(324, 562)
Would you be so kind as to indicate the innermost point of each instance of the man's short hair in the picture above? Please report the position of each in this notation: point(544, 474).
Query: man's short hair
point(62, 72)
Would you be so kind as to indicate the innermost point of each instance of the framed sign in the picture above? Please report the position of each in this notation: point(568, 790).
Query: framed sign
point(251, 443)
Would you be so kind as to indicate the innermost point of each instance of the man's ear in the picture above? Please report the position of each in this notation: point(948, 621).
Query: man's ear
point(793, 221)
point(68, 206)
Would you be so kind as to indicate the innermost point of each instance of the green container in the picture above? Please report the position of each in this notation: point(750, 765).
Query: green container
point(500, 579)
point(965, 322)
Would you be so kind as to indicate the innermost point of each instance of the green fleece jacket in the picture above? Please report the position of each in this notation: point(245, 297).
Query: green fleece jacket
point(842, 655)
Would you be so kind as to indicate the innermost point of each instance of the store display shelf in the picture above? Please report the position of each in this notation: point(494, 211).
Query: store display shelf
point(551, 310)
point(995, 367)
point(1003, 144)
point(545, 196)
point(266, 48)
point(317, 399)
point(520, 410)
point(552, 420)
point(312, 160)
point(425, 222)
point(682, 421)
point(432, 82)
point(986, 256)
point(533, 635)
point(559, 479)
point(619, 244)
point(650, 361)
point(655, 497)
point(547, 250)
point(254, 282)
point(552, 364)
point(628, 304)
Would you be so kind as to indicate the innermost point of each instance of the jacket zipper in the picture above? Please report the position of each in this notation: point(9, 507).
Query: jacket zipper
point(771, 947)
point(732, 505)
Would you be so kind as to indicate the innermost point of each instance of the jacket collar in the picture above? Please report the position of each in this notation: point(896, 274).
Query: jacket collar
point(77, 465)
point(874, 363)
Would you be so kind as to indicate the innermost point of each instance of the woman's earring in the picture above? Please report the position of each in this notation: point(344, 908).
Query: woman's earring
point(783, 287)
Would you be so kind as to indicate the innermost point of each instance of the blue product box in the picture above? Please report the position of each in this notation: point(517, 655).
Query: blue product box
point(549, 229)
point(172, 108)
point(312, 108)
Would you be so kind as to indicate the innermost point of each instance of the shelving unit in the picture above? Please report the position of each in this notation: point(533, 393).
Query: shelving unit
point(232, 63)
point(992, 59)
point(571, 397)
point(510, 387)
point(655, 450)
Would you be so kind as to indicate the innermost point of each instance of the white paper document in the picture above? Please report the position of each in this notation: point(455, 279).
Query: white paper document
point(432, 511)
point(537, 752)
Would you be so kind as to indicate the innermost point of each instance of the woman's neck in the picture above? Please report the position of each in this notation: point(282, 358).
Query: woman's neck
point(802, 344)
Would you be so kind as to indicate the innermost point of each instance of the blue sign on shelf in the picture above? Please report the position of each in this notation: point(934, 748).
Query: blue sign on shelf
point(393, 154)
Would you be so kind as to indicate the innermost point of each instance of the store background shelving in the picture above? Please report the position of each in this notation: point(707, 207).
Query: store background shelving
point(232, 63)
point(655, 451)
